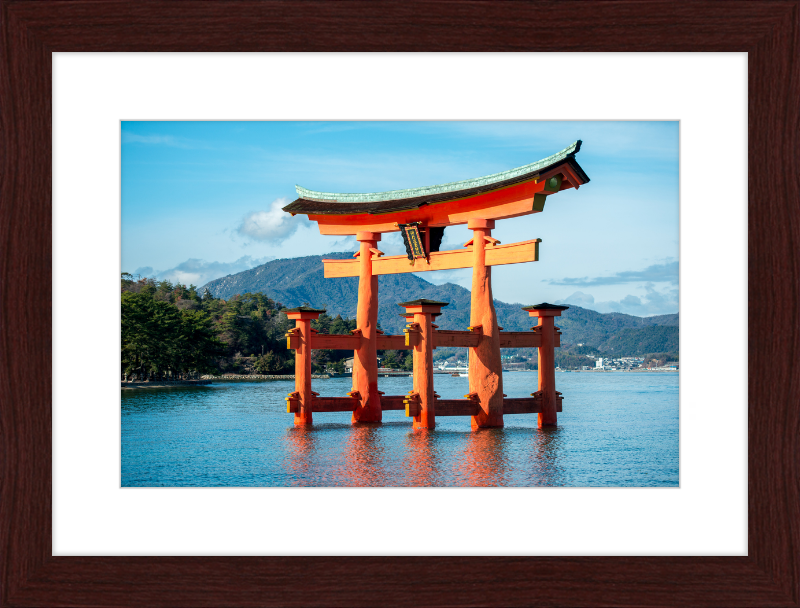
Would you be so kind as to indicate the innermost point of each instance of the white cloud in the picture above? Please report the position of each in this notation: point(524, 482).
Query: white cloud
point(273, 226)
point(584, 300)
point(392, 244)
point(199, 272)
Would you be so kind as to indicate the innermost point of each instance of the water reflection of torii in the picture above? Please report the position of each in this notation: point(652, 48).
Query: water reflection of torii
point(421, 214)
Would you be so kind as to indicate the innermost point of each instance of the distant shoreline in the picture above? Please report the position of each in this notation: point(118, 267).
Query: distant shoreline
point(163, 384)
point(206, 380)
point(611, 371)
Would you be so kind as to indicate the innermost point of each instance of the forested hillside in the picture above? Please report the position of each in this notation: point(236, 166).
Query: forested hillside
point(641, 341)
point(171, 331)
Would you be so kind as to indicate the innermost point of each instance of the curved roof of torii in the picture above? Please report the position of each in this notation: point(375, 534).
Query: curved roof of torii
point(331, 203)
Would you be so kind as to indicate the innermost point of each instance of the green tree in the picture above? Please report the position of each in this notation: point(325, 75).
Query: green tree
point(270, 363)
point(199, 346)
point(149, 334)
point(157, 338)
point(393, 359)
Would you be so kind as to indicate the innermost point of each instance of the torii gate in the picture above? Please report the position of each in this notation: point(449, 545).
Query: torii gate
point(421, 214)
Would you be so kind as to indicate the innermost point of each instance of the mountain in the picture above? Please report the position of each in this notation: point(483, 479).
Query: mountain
point(296, 281)
point(642, 340)
point(596, 329)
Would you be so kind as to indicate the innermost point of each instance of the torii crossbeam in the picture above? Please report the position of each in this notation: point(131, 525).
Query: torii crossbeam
point(421, 214)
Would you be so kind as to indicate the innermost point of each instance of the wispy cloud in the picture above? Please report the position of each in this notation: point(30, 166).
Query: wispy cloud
point(273, 225)
point(199, 272)
point(333, 127)
point(657, 273)
point(626, 138)
point(129, 137)
point(374, 171)
point(653, 302)
point(458, 276)
point(348, 243)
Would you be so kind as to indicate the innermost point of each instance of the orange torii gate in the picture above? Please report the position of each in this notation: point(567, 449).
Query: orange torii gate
point(421, 214)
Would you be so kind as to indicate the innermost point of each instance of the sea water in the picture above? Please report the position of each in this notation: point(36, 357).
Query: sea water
point(617, 429)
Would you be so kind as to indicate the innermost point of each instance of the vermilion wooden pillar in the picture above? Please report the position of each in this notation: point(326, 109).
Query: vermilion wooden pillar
point(365, 360)
point(423, 311)
point(547, 355)
point(485, 367)
point(302, 317)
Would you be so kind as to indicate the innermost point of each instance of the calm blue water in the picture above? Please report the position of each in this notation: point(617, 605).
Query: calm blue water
point(617, 429)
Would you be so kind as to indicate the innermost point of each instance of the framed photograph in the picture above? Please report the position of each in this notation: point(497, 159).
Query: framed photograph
point(295, 569)
point(279, 313)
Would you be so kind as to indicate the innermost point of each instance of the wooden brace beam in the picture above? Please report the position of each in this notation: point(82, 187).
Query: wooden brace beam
point(526, 251)
point(520, 339)
point(393, 402)
point(336, 341)
point(456, 407)
point(456, 338)
point(441, 338)
point(393, 343)
point(334, 404)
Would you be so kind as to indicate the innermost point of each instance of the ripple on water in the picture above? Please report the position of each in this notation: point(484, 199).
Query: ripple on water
point(617, 429)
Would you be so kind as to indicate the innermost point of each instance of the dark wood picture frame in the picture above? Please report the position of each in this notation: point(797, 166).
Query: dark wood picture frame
point(769, 30)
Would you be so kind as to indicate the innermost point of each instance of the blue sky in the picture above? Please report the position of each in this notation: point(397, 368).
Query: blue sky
point(202, 200)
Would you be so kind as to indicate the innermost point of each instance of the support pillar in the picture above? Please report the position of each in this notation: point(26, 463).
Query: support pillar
point(302, 317)
point(423, 311)
point(365, 359)
point(547, 359)
point(485, 366)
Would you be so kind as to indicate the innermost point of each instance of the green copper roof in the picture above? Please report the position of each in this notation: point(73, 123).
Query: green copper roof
point(303, 309)
point(392, 195)
point(545, 306)
point(424, 302)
